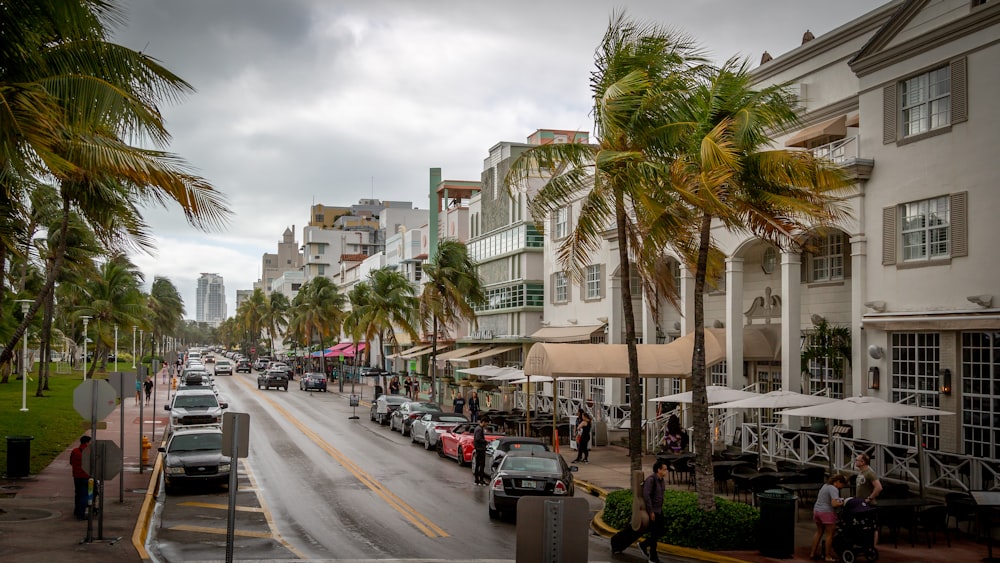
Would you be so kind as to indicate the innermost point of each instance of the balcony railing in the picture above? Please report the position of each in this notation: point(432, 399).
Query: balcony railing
point(841, 151)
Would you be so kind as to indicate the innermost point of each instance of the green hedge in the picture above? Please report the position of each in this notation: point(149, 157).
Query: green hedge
point(731, 526)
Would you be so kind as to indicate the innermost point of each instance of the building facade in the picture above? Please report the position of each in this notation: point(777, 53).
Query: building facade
point(210, 299)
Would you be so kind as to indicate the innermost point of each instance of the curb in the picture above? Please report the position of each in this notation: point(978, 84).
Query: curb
point(141, 531)
point(599, 526)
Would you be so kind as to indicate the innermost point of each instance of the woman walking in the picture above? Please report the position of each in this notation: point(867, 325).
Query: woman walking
point(824, 516)
point(583, 437)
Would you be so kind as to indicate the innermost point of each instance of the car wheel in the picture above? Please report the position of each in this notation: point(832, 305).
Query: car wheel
point(258, 386)
point(494, 514)
point(460, 458)
point(371, 416)
point(413, 437)
point(440, 449)
point(403, 431)
point(427, 442)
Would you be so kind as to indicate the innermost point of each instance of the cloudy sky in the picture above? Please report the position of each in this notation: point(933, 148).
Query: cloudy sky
point(328, 101)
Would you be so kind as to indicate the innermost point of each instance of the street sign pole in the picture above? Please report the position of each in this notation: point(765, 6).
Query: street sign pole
point(235, 444)
point(93, 458)
point(121, 429)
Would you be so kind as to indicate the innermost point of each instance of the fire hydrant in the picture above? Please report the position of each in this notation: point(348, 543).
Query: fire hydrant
point(146, 446)
point(175, 383)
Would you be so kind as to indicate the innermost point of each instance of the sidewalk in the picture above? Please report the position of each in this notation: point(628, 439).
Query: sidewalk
point(37, 523)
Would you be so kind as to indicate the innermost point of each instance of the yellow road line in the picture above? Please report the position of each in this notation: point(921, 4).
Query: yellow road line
point(222, 506)
point(223, 531)
point(411, 514)
point(267, 514)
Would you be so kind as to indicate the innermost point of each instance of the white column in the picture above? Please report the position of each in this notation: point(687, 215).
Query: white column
point(686, 292)
point(734, 321)
point(791, 321)
point(858, 384)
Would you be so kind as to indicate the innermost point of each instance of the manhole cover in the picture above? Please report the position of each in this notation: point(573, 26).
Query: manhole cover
point(26, 515)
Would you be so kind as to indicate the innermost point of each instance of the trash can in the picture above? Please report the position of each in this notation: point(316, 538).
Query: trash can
point(18, 456)
point(776, 530)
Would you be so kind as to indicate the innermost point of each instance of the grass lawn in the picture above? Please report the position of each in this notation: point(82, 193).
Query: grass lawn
point(50, 419)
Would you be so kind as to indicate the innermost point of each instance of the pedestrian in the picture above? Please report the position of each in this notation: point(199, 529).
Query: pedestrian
point(163, 374)
point(869, 487)
point(583, 436)
point(148, 387)
point(408, 384)
point(675, 439)
point(458, 403)
point(394, 386)
point(652, 495)
point(81, 479)
point(825, 518)
point(474, 407)
point(138, 391)
point(479, 463)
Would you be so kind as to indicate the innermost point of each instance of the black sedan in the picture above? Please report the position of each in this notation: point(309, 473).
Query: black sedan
point(194, 455)
point(528, 473)
point(312, 382)
point(497, 449)
point(402, 418)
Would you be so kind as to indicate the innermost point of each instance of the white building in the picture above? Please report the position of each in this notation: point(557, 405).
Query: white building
point(210, 299)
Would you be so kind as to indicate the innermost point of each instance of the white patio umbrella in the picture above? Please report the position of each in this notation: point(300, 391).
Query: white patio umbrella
point(773, 400)
point(867, 408)
point(716, 394)
point(484, 371)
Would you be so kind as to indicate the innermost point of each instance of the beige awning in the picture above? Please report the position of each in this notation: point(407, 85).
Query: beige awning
point(820, 134)
point(761, 342)
point(566, 333)
point(488, 353)
point(406, 353)
point(459, 352)
point(425, 351)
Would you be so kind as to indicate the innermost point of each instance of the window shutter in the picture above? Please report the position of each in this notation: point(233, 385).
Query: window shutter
point(959, 224)
point(959, 91)
point(552, 289)
point(889, 114)
point(805, 267)
point(888, 236)
point(848, 248)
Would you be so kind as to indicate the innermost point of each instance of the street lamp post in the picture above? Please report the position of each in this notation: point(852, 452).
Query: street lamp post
point(133, 345)
point(25, 305)
point(86, 320)
point(141, 333)
point(116, 347)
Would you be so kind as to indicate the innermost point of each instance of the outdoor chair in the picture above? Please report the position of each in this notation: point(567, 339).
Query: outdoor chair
point(962, 508)
point(761, 483)
point(722, 475)
point(814, 474)
point(741, 476)
point(934, 519)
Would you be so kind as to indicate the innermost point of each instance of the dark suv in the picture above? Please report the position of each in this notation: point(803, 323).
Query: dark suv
point(243, 366)
point(276, 378)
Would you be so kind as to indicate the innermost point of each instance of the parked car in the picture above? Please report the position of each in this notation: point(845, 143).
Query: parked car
point(195, 406)
point(312, 381)
point(273, 378)
point(456, 443)
point(528, 473)
point(403, 417)
point(194, 455)
point(209, 359)
point(243, 366)
point(499, 448)
point(262, 363)
point(223, 367)
point(383, 406)
point(429, 427)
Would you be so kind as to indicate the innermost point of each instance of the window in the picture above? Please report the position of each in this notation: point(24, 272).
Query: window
point(914, 373)
point(634, 282)
point(980, 371)
point(560, 289)
point(925, 104)
point(925, 229)
point(561, 227)
point(593, 282)
point(321, 269)
point(930, 231)
point(926, 101)
point(418, 272)
point(827, 262)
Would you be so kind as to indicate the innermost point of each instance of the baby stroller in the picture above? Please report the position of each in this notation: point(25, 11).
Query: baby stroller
point(855, 535)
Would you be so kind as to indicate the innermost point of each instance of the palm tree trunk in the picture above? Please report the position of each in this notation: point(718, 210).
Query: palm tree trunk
point(634, 392)
point(704, 478)
point(45, 346)
point(50, 282)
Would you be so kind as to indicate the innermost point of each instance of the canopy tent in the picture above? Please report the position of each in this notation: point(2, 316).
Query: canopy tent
point(866, 408)
point(351, 351)
point(329, 352)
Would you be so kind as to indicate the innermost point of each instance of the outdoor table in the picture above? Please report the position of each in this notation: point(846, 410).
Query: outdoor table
point(786, 476)
point(802, 490)
point(908, 506)
point(986, 501)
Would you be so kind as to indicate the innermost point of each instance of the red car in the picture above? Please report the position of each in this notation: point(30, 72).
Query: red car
point(456, 442)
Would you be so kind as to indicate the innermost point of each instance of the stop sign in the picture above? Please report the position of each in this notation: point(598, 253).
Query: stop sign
point(108, 462)
point(86, 392)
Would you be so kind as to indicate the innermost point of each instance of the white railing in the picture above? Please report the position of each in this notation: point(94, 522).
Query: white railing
point(841, 151)
point(942, 471)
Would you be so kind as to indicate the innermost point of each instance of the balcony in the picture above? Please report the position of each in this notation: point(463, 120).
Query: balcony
point(846, 152)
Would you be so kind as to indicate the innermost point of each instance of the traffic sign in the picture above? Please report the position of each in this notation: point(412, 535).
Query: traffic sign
point(238, 423)
point(109, 459)
point(123, 382)
point(94, 398)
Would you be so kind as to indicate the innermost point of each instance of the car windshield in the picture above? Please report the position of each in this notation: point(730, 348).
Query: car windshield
point(395, 400)
point(538, 464)
point(424, 407)
point(189, 401)
point(518, 447)
point(453, 418)
point(196, 443)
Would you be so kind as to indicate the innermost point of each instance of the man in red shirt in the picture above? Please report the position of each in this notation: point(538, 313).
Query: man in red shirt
point(80, 478)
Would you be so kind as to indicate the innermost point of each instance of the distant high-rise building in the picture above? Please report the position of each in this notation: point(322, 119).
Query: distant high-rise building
point(210, 301)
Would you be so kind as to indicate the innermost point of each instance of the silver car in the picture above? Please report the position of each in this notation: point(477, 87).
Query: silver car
point(428, 428)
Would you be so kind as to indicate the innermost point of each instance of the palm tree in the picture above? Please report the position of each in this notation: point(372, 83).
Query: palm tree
point(275, 317)
point(167, 307)
point(250, 315)
point(727, 172)
point(392, 304)
point(69, 98)
point(639, 69)
point(319, 307)
point(451, 291)
point(356, 323)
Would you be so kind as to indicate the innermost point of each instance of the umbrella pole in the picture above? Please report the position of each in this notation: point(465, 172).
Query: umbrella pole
point(829, 444)
point(760, 440)
point(555, 414)
point(920, 455)
point(527, 409)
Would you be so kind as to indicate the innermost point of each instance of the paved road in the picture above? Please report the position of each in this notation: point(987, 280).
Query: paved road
point(319, 485)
